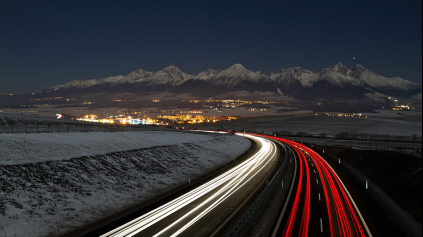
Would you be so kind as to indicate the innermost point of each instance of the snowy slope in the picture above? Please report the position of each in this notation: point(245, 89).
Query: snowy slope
point(341, 75)
point(374, 80)
point(30, 148)
point(55, 195)
point(417, 97)
point(88, 83)
point(137, 76)
point(235, 75)
point(295, 76)
point(207, 75)
point(357, 75)
point(168, 76)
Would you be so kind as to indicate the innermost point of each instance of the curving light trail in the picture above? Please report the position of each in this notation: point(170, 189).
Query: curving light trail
point(220, 189)
point(228, 190)
point(344, 216)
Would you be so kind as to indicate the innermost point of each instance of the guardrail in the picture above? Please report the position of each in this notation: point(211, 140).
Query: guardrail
point(249, 217)
point(404, 147)
point(66, 126)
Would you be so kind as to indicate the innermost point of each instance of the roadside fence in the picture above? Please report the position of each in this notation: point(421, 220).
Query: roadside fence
point(66, 126)
point(247, 220)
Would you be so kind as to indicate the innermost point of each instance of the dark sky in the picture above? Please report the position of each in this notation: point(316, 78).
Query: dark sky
point(46, 43)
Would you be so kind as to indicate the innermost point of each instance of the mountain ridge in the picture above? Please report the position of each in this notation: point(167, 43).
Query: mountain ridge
point(336, 74)
point(336, 81)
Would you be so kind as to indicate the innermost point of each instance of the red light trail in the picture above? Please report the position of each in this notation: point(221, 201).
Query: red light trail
point(342, 213)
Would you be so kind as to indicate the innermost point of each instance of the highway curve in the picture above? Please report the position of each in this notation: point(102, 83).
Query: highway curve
point(202, 211)
point(319, 204)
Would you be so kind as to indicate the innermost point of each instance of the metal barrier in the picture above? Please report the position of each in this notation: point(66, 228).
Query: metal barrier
point(249, 217)
point(66, 126)
point(404, 147)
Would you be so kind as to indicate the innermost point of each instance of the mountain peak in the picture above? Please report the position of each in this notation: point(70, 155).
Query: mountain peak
point(237, 66)
point(207, 74)
point(237, 70)
point(171, 68)
point(337, 67)
point(359, 66)
point(297, 69)
point(137, 76)
point(237, 75)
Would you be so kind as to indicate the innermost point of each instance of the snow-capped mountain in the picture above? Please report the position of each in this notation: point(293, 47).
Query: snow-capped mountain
point(231, 77)
point(374, 80)
point(89, 83)
point(295, 77)
point(236, 74)
point(171, 75)
point(297, 81)
point(137, 76)
point(207, 75)
point(340, 75)
point(358, 75)
point(168, 76)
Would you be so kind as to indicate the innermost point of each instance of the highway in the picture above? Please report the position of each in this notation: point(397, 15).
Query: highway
point(315, 202)
point(319, 204)
point(203, 210)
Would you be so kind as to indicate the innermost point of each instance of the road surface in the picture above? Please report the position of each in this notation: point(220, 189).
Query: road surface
point(319, 204)
point(202, 211)
point(316, 201)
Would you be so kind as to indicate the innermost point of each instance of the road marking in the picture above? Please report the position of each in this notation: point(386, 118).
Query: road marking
point(321, 225)
point(317, 181)
point(288, 197)
point(352, 200)
point(320, 198)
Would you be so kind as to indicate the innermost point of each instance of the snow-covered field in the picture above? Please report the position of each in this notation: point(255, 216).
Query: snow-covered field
point(30, 148)
point(330, 125)
point(53, 183)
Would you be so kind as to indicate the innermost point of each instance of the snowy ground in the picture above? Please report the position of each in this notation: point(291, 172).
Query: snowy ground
point(31, 148)
point(330, 125)
point(56, 183)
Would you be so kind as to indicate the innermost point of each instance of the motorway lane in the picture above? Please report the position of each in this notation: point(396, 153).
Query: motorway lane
point(319, 208)
point(204, 209)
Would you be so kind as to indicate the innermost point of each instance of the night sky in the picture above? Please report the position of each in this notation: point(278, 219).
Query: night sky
point(46, 43)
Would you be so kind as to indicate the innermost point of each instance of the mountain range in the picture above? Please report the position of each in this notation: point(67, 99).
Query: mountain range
point(343, 88)
point(291, 81)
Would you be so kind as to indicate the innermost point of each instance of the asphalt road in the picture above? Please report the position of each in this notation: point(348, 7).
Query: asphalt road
point(315, 200)
point(320, 204)
point(203, 210)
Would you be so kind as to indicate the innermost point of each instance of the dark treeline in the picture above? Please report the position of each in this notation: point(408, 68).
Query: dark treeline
point(355, 136)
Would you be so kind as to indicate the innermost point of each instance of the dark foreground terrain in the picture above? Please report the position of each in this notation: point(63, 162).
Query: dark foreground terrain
point(399, 175)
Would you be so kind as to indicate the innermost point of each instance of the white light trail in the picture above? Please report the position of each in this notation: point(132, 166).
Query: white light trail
point(235, 187)
point(234, 176)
